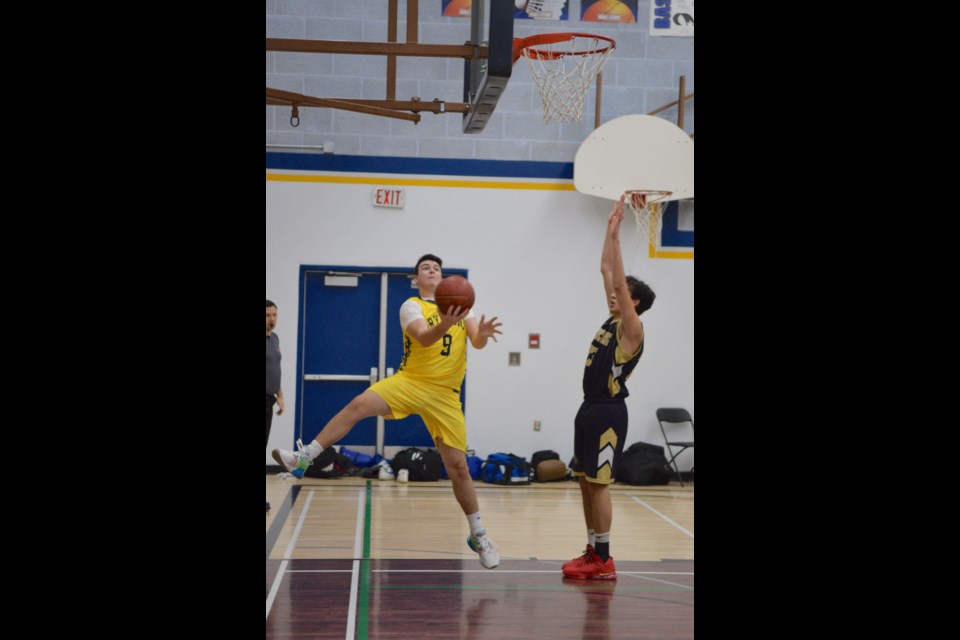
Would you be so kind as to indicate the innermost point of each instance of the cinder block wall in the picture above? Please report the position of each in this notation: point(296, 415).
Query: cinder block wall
point(642, 74)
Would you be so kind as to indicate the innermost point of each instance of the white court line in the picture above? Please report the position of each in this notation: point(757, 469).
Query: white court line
point(487, 571)
point(320, 570)
point(672, 584)
point(355, 577)
point(286, 554)
point(662, 516)
point(551, 495)
point(631, 573)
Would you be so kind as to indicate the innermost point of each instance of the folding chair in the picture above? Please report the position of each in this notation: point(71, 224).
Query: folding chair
point(674, 417)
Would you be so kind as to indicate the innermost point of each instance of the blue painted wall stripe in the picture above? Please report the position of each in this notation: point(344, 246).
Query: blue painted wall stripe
point(423, 166)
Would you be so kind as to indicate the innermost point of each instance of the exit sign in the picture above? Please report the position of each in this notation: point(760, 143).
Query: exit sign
point(388, 197)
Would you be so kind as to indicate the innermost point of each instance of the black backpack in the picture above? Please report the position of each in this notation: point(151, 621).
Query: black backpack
point(341, 466)
point(540, 456)
point(644, 464)
point(421, 464)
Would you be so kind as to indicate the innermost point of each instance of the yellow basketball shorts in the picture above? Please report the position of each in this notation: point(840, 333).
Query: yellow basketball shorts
point(438, 405)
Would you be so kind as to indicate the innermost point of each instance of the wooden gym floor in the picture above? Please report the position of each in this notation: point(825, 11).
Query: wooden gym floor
point(355, 558)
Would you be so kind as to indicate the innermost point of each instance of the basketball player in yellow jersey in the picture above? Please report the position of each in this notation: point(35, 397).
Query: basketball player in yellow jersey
point(600, 428)
point(427, 384)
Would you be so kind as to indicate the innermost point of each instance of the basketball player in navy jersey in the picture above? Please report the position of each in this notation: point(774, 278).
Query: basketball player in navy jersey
point(427, 384)
point(600, 428)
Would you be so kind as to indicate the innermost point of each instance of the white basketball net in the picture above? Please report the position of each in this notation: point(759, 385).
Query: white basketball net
point(647, 208)
point(563, 72)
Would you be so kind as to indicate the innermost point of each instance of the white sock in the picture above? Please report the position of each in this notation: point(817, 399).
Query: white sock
point(592, 538)
point(313, 449)
point(476, 527)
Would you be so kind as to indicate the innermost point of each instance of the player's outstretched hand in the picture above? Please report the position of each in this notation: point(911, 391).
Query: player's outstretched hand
point(488, 328)
point(616, 217)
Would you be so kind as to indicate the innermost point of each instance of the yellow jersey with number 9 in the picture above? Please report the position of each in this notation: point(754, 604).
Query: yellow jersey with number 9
point(445, 361)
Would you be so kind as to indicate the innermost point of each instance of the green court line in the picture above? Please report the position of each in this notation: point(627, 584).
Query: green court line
point(364, 604)
point(366, 522)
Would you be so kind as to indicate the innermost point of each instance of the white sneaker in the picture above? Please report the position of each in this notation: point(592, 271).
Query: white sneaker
point(403, 475)
point(294, 462)
point(386, 473)
point(489, 557)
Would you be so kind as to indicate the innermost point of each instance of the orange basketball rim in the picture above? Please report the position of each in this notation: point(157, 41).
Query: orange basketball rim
point(563, 66)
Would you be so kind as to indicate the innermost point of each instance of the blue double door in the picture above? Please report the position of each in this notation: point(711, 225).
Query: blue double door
point(349, 337)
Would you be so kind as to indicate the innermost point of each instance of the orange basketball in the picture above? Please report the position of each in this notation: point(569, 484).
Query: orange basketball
point(608, 11)
point(458, 8)
point(454, 291)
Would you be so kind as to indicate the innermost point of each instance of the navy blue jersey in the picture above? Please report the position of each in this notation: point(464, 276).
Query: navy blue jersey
point(608, 367)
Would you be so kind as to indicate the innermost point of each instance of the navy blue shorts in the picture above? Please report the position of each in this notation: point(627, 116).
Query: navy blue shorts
point(599, 435)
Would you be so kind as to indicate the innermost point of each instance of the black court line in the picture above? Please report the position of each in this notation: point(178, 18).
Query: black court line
point(280, 517)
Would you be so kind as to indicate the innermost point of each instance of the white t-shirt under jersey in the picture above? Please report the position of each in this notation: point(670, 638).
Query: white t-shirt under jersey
point(410, 311)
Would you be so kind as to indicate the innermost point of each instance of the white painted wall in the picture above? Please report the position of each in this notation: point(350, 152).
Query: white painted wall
point(534, 260)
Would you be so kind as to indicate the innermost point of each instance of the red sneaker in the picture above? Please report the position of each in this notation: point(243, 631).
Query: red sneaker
point(593, 569)
point(576, 562)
